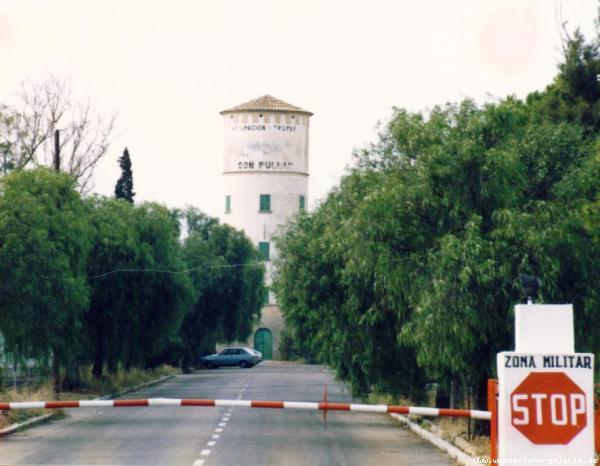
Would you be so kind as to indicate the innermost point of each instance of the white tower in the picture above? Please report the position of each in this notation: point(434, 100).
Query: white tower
point(266, 182)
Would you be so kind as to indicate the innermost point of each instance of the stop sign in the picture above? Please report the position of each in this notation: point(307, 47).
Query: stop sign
point(548, 408)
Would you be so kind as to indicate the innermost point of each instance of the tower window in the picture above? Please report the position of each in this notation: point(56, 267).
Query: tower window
point(265, 296)
point(228, 204)
point(265, 203)
point(301, 203)
point(264, 251)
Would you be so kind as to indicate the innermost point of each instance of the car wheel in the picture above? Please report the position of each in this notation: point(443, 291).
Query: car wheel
point(244, 364)
point(211, 365)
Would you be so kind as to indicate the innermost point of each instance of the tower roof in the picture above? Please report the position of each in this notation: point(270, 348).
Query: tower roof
point(266, 103)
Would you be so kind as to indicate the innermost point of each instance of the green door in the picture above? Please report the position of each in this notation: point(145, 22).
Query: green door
point(263, 342)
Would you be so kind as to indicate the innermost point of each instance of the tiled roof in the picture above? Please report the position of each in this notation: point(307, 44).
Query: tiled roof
point(266, 103)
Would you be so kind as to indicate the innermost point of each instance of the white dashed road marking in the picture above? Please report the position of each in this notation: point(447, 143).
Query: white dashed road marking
point(218, 430)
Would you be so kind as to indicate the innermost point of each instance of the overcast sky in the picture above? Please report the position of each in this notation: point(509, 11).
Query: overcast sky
point(168, 68)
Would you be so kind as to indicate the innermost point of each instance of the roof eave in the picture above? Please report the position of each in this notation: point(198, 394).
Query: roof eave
point(266, 110)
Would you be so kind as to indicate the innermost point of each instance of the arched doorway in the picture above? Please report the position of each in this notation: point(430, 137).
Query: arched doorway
point(263, 342)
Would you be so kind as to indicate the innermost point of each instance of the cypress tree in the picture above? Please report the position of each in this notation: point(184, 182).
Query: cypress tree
point(124, 186)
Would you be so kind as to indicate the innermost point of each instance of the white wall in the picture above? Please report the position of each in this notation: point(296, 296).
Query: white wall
point(265, 153)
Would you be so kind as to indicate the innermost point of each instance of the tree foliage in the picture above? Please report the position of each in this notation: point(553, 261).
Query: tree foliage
point(124, 186)
point(408, 271)
point(104, 282)
point(140, 293)
point(44, 245)
point(228, 283)
point(574, 96)
point(163, 293)
point(114, 247)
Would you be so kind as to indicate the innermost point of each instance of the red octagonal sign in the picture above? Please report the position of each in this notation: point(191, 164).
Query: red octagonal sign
point(548, 408)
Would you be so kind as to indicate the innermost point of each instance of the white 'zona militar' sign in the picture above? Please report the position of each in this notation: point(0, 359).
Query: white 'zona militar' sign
point(545, 404)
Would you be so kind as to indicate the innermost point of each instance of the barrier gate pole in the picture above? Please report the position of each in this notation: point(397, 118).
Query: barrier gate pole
point(597, 417)
point(493, 409)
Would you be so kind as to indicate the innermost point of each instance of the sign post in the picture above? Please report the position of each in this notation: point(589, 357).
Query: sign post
point(545, 404)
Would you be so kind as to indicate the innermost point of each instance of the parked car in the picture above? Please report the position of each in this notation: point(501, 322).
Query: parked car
point(243, 357)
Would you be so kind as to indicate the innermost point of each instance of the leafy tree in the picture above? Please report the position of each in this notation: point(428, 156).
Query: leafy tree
point(160, 291)
point(228, 282)
point(140, 290)
point(124, 186)
point(105, 282)
point(44, 243)
point(574, 95)
point(114, 248)
point(408, 271)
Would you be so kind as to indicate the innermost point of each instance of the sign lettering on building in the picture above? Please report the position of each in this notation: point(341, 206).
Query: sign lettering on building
point(261, 127)
point(265, 147)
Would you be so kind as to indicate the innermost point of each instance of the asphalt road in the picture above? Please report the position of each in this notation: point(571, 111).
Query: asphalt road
point(225, 436)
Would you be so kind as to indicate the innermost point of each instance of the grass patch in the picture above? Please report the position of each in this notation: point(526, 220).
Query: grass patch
point(388, 399)
point(109, 384)
point(42, 392)
point(121, 380)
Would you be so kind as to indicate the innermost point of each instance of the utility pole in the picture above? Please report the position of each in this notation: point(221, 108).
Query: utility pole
point(56, 150)
point(55, 364)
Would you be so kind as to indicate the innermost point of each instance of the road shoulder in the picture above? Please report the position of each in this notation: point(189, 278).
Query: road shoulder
point(20, 426)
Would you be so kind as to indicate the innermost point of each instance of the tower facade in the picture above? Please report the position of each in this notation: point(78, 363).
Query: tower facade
point(265, 179)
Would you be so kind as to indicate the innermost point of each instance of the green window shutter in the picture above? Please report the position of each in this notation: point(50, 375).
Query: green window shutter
point(265, 296)
point(265, 203)
point(302, 201)
point(227, 204)
point(263, 250)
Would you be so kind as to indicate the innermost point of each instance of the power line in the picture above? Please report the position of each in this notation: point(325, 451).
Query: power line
point(173, 272)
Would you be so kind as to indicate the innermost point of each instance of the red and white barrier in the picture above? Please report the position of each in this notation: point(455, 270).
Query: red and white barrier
point(364, 408)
